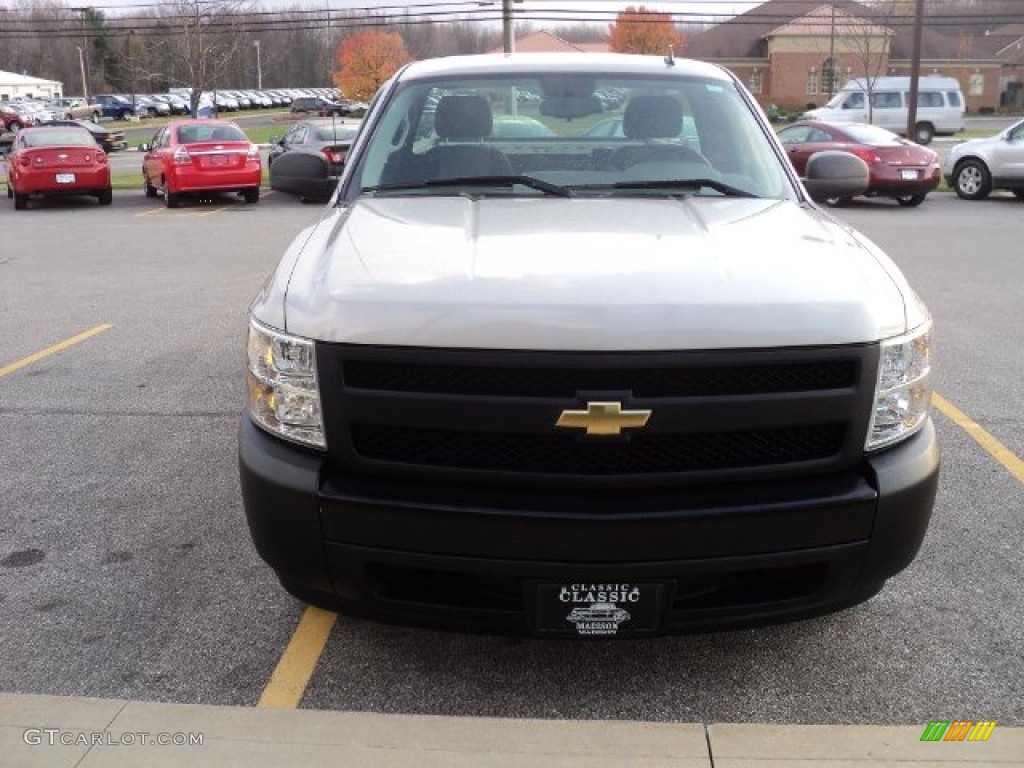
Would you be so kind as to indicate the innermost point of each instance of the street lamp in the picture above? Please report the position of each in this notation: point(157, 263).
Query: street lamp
point(259, 66)
point(131, 67)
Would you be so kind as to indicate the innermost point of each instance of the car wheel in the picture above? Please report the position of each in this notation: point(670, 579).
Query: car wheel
point(972, 180)
point(95, 117)
point(910, 201)
point(10, 192)
point(14, 127)
point(20, 201)
point(838, 202)
point(148, 188)
point(170, 199)
point(105, 196)
point(924, 133)
point(1018, 193)
point(251, 195)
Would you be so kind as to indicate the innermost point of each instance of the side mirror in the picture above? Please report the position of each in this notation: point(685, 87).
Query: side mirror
point(833, 173)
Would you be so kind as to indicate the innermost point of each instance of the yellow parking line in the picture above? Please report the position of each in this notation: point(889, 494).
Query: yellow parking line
point(996, 449)
point(17, 365)
point(288, 683)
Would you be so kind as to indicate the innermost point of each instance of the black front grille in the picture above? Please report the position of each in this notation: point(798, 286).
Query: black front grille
point(556, 454)
point(489, 416)
point(642, 381)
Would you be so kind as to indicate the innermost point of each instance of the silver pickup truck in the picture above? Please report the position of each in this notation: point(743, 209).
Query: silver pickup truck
point(505, 362)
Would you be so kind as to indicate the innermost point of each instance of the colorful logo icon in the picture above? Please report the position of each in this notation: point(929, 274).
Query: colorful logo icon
point(958, 730)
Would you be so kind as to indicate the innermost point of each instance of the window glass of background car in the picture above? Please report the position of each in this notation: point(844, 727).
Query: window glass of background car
point(953, 98)
point(887, 100)
point(798, 134)
point(854, 101)
point(929, 99)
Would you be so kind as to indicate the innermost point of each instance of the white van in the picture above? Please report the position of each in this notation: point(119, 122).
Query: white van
point(940, 105)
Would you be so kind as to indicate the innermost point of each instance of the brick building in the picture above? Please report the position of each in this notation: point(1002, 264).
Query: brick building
point(792, 54)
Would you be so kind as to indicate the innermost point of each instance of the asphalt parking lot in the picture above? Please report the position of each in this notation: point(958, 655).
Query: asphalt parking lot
point(127, 569)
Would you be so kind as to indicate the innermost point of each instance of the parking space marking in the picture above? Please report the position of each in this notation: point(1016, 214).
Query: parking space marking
point(998, 451)
point(193, 213)
point(288, 684)
point(60, 346)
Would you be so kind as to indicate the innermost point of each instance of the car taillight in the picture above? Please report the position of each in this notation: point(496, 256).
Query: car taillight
point(334, 157)
point(253, 153)
point(181, 157)
point(101, 158)
point(867, 155)
point(26, 160)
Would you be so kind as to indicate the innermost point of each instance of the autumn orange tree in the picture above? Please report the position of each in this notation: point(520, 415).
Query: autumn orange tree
point(364, 61)
point(638, 30)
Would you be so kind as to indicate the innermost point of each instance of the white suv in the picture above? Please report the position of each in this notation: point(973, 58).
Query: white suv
point(978, 166)
point(500, 367)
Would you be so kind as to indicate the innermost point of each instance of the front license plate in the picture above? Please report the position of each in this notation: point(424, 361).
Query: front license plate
point(908, 174)
point(65, 178)
point(598, 609)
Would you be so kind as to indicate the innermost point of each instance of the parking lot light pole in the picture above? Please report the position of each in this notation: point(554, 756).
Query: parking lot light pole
point(259, 66)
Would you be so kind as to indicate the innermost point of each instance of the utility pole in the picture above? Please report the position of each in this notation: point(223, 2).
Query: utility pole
point(915, 70)
point(508, 28)
point(81, 65)
point(831, 73)
point(83, 59)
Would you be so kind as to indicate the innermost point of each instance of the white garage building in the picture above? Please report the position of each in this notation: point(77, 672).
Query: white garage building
point(13, 85)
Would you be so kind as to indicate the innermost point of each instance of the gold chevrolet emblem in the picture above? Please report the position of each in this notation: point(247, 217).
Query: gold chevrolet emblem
point(603, 419)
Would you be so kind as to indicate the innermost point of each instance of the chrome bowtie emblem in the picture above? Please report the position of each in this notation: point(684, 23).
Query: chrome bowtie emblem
point(603, 419)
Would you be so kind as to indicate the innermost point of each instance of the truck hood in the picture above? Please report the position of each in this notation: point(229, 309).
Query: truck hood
point(584, 274)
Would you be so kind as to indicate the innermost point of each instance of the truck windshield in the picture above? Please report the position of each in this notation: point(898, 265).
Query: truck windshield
point(583, 132)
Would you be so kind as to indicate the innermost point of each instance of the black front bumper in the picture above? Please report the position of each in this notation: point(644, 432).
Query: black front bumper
point(468, 557)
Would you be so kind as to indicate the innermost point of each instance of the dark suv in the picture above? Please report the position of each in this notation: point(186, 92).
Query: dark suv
point(113, 106)
point(324, 107)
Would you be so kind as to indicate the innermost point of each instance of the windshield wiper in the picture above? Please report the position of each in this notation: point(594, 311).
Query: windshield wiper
point(718, 186)
point(476, 181)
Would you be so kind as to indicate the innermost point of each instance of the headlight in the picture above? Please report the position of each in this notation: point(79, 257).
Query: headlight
point(282, 385)
point(903, 392)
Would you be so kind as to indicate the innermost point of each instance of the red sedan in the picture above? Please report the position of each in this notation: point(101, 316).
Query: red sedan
point(191, 156)
point(57, 161)
point(897, 168)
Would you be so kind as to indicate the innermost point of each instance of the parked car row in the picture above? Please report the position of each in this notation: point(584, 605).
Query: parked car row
point(17, 114)
point(325, 107)
point(186, 157)
point(907, 172)
point(215, 155)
